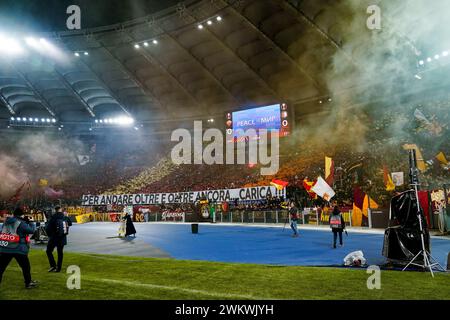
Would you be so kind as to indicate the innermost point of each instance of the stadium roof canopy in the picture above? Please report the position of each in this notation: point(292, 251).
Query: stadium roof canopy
point(259, 52)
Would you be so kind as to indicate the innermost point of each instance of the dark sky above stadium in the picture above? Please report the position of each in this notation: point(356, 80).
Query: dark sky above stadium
point(50, 15)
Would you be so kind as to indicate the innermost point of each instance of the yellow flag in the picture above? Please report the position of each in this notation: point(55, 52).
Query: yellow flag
point(390, 186)
point(442, 159)
point(366, 206)
point(356, 216)
point(421, 165)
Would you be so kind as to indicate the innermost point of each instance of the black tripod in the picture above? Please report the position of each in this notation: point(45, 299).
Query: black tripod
point(428, 261)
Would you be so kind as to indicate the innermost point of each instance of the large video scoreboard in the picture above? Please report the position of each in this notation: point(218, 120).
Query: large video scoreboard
point(270, 117)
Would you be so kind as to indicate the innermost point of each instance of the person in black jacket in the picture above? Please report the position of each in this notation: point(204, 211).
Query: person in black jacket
point(14, 243)
point(130, 229)
point(57, 230)
point(337, 225)
point(293, 212)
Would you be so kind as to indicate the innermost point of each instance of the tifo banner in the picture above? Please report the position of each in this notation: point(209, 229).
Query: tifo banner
point(253, 193)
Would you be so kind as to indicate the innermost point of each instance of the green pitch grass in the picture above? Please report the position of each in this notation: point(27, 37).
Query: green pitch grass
point(116, 277)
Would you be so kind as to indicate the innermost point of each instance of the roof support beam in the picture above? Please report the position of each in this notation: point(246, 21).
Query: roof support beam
point(75, 93)
point(226, 47)
point(202, 65)
point(7, 104)
point(275, 46)
point(36, 92)
point(100, 81)
point(152, 60)
point(133, 77)
point(295, 12)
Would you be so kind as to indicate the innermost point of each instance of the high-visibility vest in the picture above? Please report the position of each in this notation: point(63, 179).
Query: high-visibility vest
point(335, 221)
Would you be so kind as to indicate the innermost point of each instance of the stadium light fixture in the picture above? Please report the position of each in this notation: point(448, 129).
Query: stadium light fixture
point(421, 62)
point(86, 53)
point(429, 59)
point(101, 121)
point(219, 18)
point(30, 41)
point(436, 56)
point(146, 44)
point(54, 120)
point(18, 119)
point(209, 22)
point(137, 46)
point(12, 118)
point(30, 119)
point(36, 120)
point(76, 54)
point(418, 77)
point(200, 26)
point(48, 120)
point(155, 41)
point(9, 46)
point(96, 121)
point(445, 53)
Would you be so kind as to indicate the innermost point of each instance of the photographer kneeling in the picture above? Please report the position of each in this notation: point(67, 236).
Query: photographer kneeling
point(15, 243)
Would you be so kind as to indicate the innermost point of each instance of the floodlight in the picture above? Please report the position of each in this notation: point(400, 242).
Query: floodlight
point(200, 26)
point(209, 22)
point(137, 46)
point(219, 18)
point(155, 41)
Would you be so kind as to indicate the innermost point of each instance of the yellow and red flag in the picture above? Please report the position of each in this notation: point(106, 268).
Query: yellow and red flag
point(308, 185)
point(279, 184)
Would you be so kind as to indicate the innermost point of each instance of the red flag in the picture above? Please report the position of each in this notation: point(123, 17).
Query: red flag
point(16, 196)
point(358, 197)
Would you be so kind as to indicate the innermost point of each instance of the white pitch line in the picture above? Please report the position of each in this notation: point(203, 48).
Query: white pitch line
point(173, 288)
